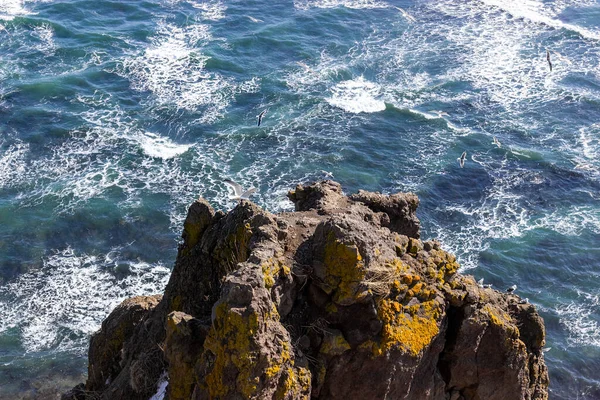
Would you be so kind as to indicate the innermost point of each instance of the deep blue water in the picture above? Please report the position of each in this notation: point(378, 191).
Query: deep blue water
point(116, 115)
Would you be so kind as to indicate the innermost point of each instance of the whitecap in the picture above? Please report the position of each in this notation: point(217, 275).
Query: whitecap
point(356, 96)
point(161, 147)
point(585, 148)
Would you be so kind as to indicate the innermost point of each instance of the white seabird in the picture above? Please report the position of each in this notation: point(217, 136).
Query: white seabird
point(511, 289)
point(496, 142)
point(406, 15)
point(239, 192)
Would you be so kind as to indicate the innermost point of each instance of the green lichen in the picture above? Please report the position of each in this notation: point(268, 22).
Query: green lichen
point(176, 303)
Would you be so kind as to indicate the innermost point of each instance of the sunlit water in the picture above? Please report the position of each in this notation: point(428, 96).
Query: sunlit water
point(116, 115)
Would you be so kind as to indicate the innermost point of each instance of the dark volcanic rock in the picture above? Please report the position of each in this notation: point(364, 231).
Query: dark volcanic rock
point(105, 356)
point(338, 300)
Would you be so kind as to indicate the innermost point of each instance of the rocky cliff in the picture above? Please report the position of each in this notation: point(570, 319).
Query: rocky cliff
point(337, 300)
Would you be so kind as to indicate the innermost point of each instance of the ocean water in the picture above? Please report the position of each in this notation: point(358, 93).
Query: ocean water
point(116, 115)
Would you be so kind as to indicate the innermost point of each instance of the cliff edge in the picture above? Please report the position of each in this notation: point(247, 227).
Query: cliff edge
point(337, 300)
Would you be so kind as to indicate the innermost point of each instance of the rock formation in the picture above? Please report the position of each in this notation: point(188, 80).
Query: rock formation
point(337, 300)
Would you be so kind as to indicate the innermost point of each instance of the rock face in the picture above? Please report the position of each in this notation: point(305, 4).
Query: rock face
point(337, 300)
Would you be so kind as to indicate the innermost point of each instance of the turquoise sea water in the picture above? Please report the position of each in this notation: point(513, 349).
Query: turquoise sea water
point(116, 115)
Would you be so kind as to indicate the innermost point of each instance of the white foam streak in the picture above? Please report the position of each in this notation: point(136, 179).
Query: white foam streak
point(538, 12)
point(354, 4)
point(100, 159)
point(61, 304)
point(586, 148)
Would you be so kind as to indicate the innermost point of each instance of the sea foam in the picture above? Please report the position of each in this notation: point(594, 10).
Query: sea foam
point(59, 305)
point(356, 96)
point(9, 9)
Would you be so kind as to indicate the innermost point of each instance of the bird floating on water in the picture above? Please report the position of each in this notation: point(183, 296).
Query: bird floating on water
point(239, 192)
point(260, 116)
point(461, 159)
point(511, 289)
point(496, 142)
point(548, 59)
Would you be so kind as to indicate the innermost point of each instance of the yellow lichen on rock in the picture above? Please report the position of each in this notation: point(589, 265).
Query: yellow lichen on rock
point(271, 269)
point(501, 319)
point(446, 264)
point(192, 233)
point(229, 341)
point(293, 381)
point(234, 249)
point(232, 341)
point(410, 328)
point(334, 344)
point(296, 384)
point(345, 271)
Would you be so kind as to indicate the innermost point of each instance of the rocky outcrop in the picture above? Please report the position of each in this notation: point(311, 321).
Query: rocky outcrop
point(337, 300)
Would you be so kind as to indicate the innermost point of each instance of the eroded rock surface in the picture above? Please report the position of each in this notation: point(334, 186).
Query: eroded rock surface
point(337, 300)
